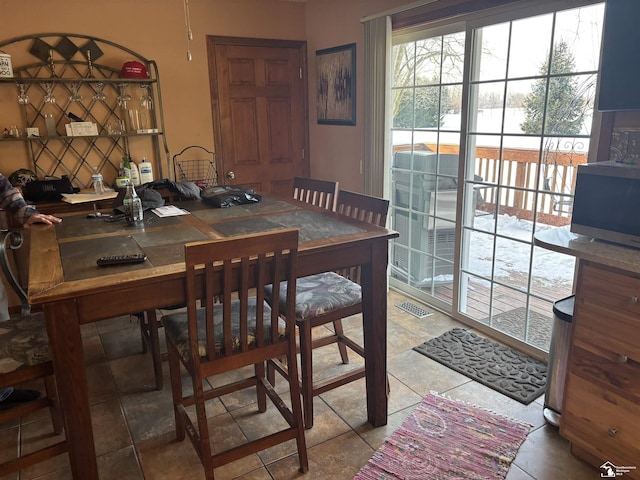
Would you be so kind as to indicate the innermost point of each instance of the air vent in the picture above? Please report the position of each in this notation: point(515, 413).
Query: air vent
point(414, 309)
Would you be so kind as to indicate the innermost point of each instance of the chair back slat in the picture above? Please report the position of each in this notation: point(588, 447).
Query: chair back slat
point(365, 208)
point(237, 270)
point(321, 193)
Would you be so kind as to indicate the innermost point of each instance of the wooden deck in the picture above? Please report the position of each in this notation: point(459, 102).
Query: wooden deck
point(509, 310)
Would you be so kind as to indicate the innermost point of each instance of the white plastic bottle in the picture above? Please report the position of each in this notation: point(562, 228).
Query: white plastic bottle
point(146, 171)
point(134, 174)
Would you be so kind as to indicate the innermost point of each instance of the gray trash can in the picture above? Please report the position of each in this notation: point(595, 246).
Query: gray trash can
point(558, 358)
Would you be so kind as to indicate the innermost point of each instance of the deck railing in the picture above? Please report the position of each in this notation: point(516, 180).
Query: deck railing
point(523, 175)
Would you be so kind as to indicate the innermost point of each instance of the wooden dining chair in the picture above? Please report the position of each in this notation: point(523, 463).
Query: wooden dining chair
point(321, 193)
point(24, 357)
point(328, 298)
point(240, 331)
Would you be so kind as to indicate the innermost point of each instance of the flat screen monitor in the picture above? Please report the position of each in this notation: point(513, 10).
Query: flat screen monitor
point(620, 62)
point(606, 202)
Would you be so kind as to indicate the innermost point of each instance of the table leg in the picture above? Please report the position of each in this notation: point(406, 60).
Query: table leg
point(374, 314)
point(63, 328)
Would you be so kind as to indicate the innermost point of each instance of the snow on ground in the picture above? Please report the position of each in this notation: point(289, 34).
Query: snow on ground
point(512, 257)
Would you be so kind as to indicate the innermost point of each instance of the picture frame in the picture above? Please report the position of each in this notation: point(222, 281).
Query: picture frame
point(336, 85)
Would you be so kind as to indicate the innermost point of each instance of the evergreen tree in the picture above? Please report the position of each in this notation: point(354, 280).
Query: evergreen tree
point(565, 108)
point(427, 105)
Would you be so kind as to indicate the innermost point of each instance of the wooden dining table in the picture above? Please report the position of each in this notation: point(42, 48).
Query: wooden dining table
point(66, 282)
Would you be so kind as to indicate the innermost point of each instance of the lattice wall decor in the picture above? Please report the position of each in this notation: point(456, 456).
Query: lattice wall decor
point(79, 75)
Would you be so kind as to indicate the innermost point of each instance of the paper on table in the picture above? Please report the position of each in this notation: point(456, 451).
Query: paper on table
point(87, 197)
point(169, 211)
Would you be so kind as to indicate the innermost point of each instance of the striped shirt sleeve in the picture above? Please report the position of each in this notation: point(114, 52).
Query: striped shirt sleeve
point(12, 201)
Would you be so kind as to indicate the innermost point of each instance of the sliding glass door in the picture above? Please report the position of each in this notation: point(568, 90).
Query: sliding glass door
point(488, 128)
point(427, 102)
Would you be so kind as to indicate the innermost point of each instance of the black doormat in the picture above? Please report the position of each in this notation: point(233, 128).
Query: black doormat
point(498, 367)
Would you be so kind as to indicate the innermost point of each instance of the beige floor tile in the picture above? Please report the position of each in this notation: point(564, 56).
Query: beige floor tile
point(338, 459)
point(516, 473)
point(164, 458)
point(101, 384)
point(110, 431)
point(134, 373)
point(37, 435)
point(121, 342)
point(375, 437)
point(421, 374)
point(121, 464)
point(545, 454)
point(93, 351)
point(477, 394)
point(135, 432)
point(149, 414)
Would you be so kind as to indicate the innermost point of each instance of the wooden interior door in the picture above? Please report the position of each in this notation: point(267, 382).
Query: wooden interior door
point(259, 102)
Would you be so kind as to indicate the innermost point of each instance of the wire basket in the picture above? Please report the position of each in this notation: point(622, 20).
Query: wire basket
point(201, 171)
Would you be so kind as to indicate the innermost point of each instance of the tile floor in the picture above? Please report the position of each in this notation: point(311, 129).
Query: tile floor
point(133, 423)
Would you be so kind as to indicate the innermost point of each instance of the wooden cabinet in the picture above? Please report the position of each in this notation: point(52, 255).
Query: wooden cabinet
point(63, 74)
point(601, 411)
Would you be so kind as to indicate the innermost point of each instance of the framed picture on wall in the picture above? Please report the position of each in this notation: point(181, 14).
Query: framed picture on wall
point(336, 85)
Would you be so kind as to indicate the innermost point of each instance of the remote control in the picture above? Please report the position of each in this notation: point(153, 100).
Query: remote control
point(121, 259)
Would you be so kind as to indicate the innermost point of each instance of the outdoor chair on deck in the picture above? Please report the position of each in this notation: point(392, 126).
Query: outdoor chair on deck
point(24, 357)
point(561, 204)
point(240, 331)
point(328, 298)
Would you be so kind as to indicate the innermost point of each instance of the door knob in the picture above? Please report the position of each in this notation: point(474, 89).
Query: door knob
point(231, 175)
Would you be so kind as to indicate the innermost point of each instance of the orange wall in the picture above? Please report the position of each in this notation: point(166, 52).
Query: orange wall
point(337, 150)
point(156, 30)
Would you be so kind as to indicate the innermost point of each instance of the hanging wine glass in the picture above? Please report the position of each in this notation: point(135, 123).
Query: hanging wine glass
point(124, 97)
point(145, 100)
point(23, 98)
point(99, 94)
point(75, 95)
point(49, 98)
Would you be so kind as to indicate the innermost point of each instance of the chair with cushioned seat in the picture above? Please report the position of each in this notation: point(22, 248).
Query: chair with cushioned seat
point(240, 331)
point(24, 357)
point(327, 298)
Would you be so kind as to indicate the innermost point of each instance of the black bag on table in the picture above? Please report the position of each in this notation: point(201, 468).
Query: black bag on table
point(228, 196)
point(50, 189)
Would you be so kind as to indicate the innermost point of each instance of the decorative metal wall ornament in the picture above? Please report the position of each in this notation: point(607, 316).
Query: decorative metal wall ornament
point(625, 145)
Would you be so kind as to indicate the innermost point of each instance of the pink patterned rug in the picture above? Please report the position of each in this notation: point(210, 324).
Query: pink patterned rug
point(447, 439)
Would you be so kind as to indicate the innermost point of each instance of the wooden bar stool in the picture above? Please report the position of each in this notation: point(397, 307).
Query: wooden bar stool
point(240, 331)
point(328, 298)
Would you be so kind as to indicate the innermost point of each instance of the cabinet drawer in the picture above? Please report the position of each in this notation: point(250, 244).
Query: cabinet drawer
point(607, 329)
point(610, 371)
point(603, 422)
point(610, 289)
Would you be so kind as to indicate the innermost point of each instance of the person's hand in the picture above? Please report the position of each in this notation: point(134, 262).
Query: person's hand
point(41, 218)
